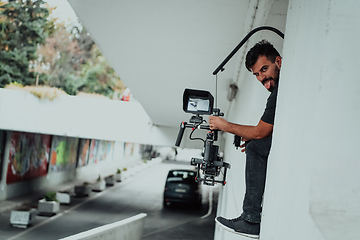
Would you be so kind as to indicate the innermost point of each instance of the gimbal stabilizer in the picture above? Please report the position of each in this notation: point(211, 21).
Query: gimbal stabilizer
point(201, 102)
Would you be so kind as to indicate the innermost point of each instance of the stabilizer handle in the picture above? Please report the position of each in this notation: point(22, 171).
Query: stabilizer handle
point(181, 133)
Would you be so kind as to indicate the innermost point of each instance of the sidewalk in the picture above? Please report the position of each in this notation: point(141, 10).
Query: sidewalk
point(32, 199)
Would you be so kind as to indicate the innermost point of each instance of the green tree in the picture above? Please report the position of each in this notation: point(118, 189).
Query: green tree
point(74, 63)
point(36, 45)
point(98, 76)
point(23, 25)
point(61, 58)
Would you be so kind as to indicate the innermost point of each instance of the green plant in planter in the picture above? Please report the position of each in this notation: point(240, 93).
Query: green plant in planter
point(118, 171)
point(50, 196)
point(124, 169)
point(98, 179)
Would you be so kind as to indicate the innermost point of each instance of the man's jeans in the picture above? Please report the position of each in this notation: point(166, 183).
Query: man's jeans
point(257, 152)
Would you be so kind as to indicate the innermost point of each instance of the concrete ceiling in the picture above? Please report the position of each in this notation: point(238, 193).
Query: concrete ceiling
point(160, 47)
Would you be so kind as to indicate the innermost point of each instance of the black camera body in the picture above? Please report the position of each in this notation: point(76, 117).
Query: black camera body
point(200, 103)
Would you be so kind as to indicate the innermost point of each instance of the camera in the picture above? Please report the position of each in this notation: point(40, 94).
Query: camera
point(200, 102)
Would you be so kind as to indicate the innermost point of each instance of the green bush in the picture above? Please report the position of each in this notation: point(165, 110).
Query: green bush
point(50, 196)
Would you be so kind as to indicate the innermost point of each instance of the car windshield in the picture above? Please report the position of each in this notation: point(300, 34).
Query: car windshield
point(181, 176)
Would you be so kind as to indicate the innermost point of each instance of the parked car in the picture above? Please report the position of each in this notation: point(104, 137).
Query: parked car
point(181, 187)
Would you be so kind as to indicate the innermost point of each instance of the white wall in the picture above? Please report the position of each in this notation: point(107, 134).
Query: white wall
point(62, 179)
point(85, 117)
point(130, 228)
point(313, 188)
point(81, 117)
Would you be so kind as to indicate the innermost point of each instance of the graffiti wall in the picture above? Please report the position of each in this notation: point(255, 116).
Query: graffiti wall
point(129, 149)
point(63, 153)
point(34, 155)
point(111, 147)
point(105, 150)
point(2, 147)
point(93, 154)
point(84, 149)
point(28, 156)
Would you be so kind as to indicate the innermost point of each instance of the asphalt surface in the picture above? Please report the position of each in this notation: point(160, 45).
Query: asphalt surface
point(140, 193)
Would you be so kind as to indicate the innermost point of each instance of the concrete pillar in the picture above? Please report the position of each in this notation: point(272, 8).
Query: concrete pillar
point(313, 186)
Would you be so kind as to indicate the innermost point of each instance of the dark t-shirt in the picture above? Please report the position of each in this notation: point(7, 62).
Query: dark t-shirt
point(269, 113)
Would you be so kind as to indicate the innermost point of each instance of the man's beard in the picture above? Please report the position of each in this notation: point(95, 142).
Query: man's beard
point(276, 80)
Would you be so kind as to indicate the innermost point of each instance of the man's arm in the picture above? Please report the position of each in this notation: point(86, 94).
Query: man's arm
point(259, 131)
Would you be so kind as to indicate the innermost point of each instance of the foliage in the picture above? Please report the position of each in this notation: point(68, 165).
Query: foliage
point(41, 92)
point(23, 25)
point(118, 171)
point(14, 85)
point(75, 64)
point(50, 196)
point(97, 76)
point(37, 49)
point(61, 59)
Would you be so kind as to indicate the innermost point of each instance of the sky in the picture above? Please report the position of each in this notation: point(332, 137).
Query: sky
point(63, 11)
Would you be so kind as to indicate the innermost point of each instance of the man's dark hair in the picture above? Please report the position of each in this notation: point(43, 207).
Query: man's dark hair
point(262, 48)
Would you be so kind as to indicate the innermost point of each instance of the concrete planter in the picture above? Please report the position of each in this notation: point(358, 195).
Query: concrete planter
point(82, 190)
point(63, 197)
point(48, 208)
point(98, 186)
point(118, 177)
point(21, 218)
point(110, 180)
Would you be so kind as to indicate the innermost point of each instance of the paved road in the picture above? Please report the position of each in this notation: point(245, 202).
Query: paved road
point(141, 193)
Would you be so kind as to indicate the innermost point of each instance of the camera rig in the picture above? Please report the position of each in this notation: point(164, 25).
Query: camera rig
point(199, 102)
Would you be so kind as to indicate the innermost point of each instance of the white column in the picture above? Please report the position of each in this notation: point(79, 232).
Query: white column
point(313, 187)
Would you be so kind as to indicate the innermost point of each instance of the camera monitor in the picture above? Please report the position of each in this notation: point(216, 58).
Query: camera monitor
point(198, 102)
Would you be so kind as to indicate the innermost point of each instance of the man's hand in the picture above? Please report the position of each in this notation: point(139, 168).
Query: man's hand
point(217, 123)
point(243, 145)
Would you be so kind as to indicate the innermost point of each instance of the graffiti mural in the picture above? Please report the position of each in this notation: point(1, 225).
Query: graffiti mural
point(111, 147)
point(63, 153)
point(28, 156)
point(129, 149)
point(84, 150)
point(93, 154)
point(105, 150)
point(101, 154)
point(2, 146)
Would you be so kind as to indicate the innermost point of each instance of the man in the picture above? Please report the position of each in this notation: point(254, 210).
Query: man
point(264, 61)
